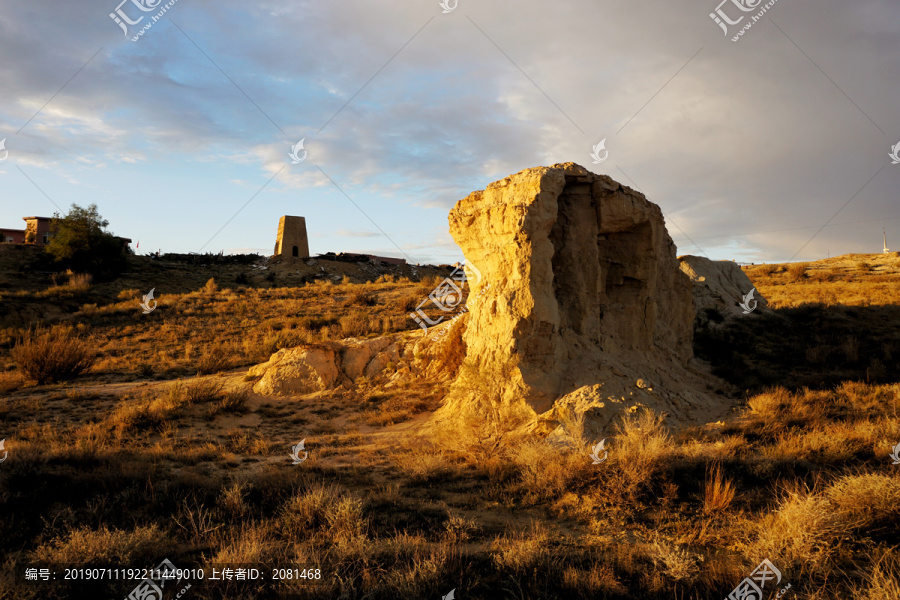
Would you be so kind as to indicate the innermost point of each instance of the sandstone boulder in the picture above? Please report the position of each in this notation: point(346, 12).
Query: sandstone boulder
point(391, 361)
point(300, 370)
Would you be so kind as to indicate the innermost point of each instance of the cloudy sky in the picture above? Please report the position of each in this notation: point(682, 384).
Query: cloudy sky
point(771, 148)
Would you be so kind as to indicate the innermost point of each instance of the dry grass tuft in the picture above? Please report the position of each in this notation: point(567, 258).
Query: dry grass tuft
point(234, 401)
point(719, 492)
point(546, 471)
point(233, 499)
point(363, 297)
point(421, 461)
point(10, 381)
point(85, 546)
point(253, 543)
point(867, 503)
point(801, 534)
point(212, 362)
point(883, 582)
point(521, 552)
point(325, 511)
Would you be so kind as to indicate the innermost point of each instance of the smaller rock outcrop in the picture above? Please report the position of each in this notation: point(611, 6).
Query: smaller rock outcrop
point(719, 287)
point(389, 361)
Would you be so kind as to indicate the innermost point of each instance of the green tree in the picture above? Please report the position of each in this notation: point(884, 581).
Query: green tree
point(79, 241)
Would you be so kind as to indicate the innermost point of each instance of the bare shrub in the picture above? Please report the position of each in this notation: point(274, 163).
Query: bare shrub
point(201, 390)
point(233, 499)
point(195, 520)
point(363, 297)
point(642, 447)
point(797, 271)
point(458, 529)
point(677, 563)
point(356, 325)
point(212, 362)
point(55, 354)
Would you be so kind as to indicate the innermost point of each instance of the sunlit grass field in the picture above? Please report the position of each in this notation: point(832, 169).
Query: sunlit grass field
point(157, 448)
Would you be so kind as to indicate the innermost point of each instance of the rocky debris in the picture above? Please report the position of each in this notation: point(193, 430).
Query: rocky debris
point(586, 300)
point(719, 287)
point(389, 361)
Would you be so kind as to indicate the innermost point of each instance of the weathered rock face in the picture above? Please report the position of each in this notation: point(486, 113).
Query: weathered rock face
point(585, 297)
point(719, 286)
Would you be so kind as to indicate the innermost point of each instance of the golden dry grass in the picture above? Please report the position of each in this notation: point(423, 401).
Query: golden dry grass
point(718, 492)
point(85, 546)
point(156, 462)
point(849, 280)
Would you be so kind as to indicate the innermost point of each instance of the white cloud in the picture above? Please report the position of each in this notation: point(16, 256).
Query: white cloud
point(746, 138)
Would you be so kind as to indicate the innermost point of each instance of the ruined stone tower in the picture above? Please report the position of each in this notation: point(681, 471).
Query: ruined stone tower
point(292, 240)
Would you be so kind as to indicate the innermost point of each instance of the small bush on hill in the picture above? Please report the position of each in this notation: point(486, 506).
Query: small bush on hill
point(55, 354)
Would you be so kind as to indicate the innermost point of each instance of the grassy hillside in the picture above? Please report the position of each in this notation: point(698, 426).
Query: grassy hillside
point(835, 320)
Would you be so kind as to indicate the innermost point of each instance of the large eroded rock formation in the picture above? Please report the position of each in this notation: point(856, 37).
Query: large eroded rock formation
point(577, 306)
point(584, 307)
